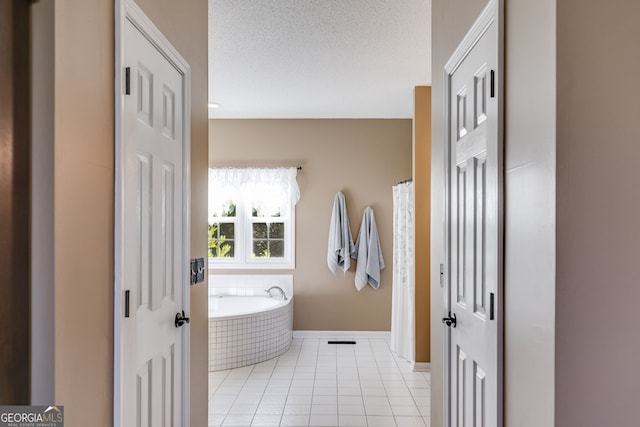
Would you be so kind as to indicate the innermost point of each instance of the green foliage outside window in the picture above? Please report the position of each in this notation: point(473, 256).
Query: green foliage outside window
point(219, 245)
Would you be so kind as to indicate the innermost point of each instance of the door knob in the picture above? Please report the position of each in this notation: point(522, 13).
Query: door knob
point(181, 319)
point(451, 320)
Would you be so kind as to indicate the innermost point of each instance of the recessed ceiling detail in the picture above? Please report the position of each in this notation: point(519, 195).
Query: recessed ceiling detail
point(317, 58)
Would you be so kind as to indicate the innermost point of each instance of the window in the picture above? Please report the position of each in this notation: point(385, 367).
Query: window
point(252, 217)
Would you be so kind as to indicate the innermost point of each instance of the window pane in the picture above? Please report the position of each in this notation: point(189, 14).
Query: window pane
point(266, 211)
point(276, 248)
point(227, 230)
point(260, 230)
point(276, 230)
point(226, 209)
point(221, 240)
point(260, 249)
point(229, 209)
point(227, 249)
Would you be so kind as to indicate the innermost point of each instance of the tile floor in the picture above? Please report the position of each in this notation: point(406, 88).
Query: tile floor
point(320, 384)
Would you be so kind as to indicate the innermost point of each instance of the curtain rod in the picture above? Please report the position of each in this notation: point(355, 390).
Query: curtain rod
point(253, 167)
point(405, 181)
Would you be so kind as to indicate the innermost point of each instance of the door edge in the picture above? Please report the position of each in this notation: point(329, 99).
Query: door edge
point(492, 13)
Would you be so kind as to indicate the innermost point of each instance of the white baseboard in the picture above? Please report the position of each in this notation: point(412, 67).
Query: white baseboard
point(342, 334)
point(421, 367)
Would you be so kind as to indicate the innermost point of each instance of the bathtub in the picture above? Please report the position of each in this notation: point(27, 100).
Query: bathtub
point(244, 330)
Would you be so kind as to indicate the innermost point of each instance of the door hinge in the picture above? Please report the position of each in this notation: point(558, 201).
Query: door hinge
point(441, 275)
point(127, 81)
point(493, 84)
point(492, 305)
point(126, 303)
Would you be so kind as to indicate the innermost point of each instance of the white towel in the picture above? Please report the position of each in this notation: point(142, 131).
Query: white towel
point(340, 248)
point(368, 252)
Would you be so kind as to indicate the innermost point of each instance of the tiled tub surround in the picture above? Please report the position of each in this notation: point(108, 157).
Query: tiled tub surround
point(245, 339)
point(249, 285)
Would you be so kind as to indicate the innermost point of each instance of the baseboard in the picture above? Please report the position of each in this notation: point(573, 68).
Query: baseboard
point(342, 334)
point(421, 367)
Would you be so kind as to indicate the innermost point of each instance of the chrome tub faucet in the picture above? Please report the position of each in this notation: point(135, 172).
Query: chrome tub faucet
point(268, 291)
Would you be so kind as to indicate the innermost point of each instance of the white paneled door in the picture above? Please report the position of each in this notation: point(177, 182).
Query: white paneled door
point(474, 294)
point(154, 210)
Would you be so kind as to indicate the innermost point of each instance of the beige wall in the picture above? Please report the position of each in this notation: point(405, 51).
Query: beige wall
point(84, 173)
point(529, 202)
point(361, 158)
point(598, 275)
point(422, 188)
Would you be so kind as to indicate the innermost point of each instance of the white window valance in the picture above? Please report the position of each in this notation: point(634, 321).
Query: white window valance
point(266, 189)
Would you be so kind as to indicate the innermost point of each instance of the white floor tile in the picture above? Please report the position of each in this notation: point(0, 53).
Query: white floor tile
point(350, 400)
point(349, 391)
point(409, 422)
point(248, 397)
point(279, 383)
point(377, 421)
point(215, 420)
point(398, 391)
point(325, 391)
point(375, 400)
point(300, 390)
point(266, 420)
point(378, 409)
point(269, 399)
point(393, 383)
point(325, 400)
point(351, 409)
point(270, 409)
point(318, 384)
point(401, 400)
point(416, 382)
point(276, 391)
point(405, 411)
point(297, 409)
point(227, 389)
point(223, 398)
point(294, 420)
point(373, 391)
point(324, 409)
point(237, 420)
point(323, 420)
point(243, 408)
point(325, 383)
point(219, 408)
point(420, 392)
point(299, 399)
point(302, 382)
point(425, 410)
point(352, 420)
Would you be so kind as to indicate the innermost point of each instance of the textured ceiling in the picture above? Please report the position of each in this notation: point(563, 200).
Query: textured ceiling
point(317, 58)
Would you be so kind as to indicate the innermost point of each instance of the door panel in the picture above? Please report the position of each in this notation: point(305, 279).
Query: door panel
point(475, 247)
point(153, 264)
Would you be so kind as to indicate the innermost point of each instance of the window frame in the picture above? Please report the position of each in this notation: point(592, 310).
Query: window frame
point(243, 240)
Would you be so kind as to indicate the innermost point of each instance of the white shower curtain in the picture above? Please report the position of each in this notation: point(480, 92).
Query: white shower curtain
point(403, 295)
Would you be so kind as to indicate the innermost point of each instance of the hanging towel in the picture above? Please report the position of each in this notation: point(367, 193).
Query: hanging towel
point(368, 252)
point(340, 248)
